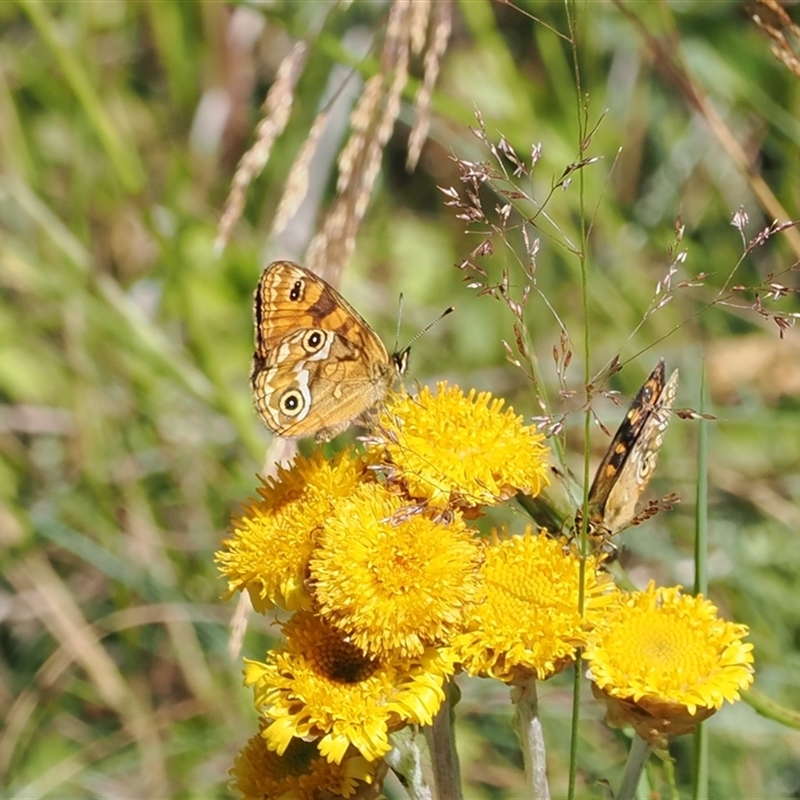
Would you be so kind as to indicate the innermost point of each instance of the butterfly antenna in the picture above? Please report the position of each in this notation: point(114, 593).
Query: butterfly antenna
point(438, 319)
point(399, 321)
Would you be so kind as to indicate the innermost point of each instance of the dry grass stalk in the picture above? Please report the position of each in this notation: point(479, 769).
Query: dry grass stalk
point(398, 34)
point(668, 58)
point(297, 180)
point(440, 35)
point(54, 605)
point(277, 108)
point(362, 121)
point(327, 252)
point(372, 121)
point(772, 18)
point(418, 25)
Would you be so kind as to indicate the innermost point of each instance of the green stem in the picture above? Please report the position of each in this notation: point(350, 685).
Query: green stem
point(531, 735)
point(761, 704)
point(700, 783)
point(701, 505)
point(637, 758)
point(573, 22)
point(700, 759)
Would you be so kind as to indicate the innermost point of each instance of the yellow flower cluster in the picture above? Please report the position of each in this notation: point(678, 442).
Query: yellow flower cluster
point(373, 555)
point(391, 593)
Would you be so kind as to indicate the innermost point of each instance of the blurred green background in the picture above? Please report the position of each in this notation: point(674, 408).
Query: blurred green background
point(127, 437)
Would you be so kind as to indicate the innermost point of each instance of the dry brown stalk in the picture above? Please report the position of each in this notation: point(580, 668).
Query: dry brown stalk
point(372, 121)
point(440, 35)
point(327, 251)
point(54, 606)
point(667, 56)
point(277, 108)
point(418, 25)
point(772, 18)
point(363, 118)
point(413, 28)
point(297, 180)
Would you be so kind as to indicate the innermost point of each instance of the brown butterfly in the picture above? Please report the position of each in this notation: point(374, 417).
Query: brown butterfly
point(317, 364)
point(628, 464)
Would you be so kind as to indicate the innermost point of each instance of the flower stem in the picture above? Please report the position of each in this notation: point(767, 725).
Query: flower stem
point(442, 745)
point(637, 758)
point(700, 776)
point(531, 736)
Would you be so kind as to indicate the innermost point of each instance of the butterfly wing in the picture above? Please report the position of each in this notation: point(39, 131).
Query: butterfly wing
point(289, 297)
point(317, 364)
point(628, 464)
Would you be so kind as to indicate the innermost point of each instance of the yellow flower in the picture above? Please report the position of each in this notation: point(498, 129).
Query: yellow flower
point(300, 773)
point(527, 619)
point(666, 661)
point(459, 450)
point(268, 553)
point(392, 579)
point(320, 687)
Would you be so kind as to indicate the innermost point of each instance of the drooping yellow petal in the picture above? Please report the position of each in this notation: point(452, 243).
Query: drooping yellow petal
point(320, 686)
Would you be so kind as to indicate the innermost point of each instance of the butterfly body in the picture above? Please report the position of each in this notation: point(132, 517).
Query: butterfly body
point(317, 365)
point(629, 462)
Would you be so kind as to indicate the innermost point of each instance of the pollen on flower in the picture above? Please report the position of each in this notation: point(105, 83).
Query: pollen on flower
point(320, 687)
point(301, 772)
point(527, 616)
point(665, 661)
point(268, 551)
point(462, 450)
point(393, 582)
